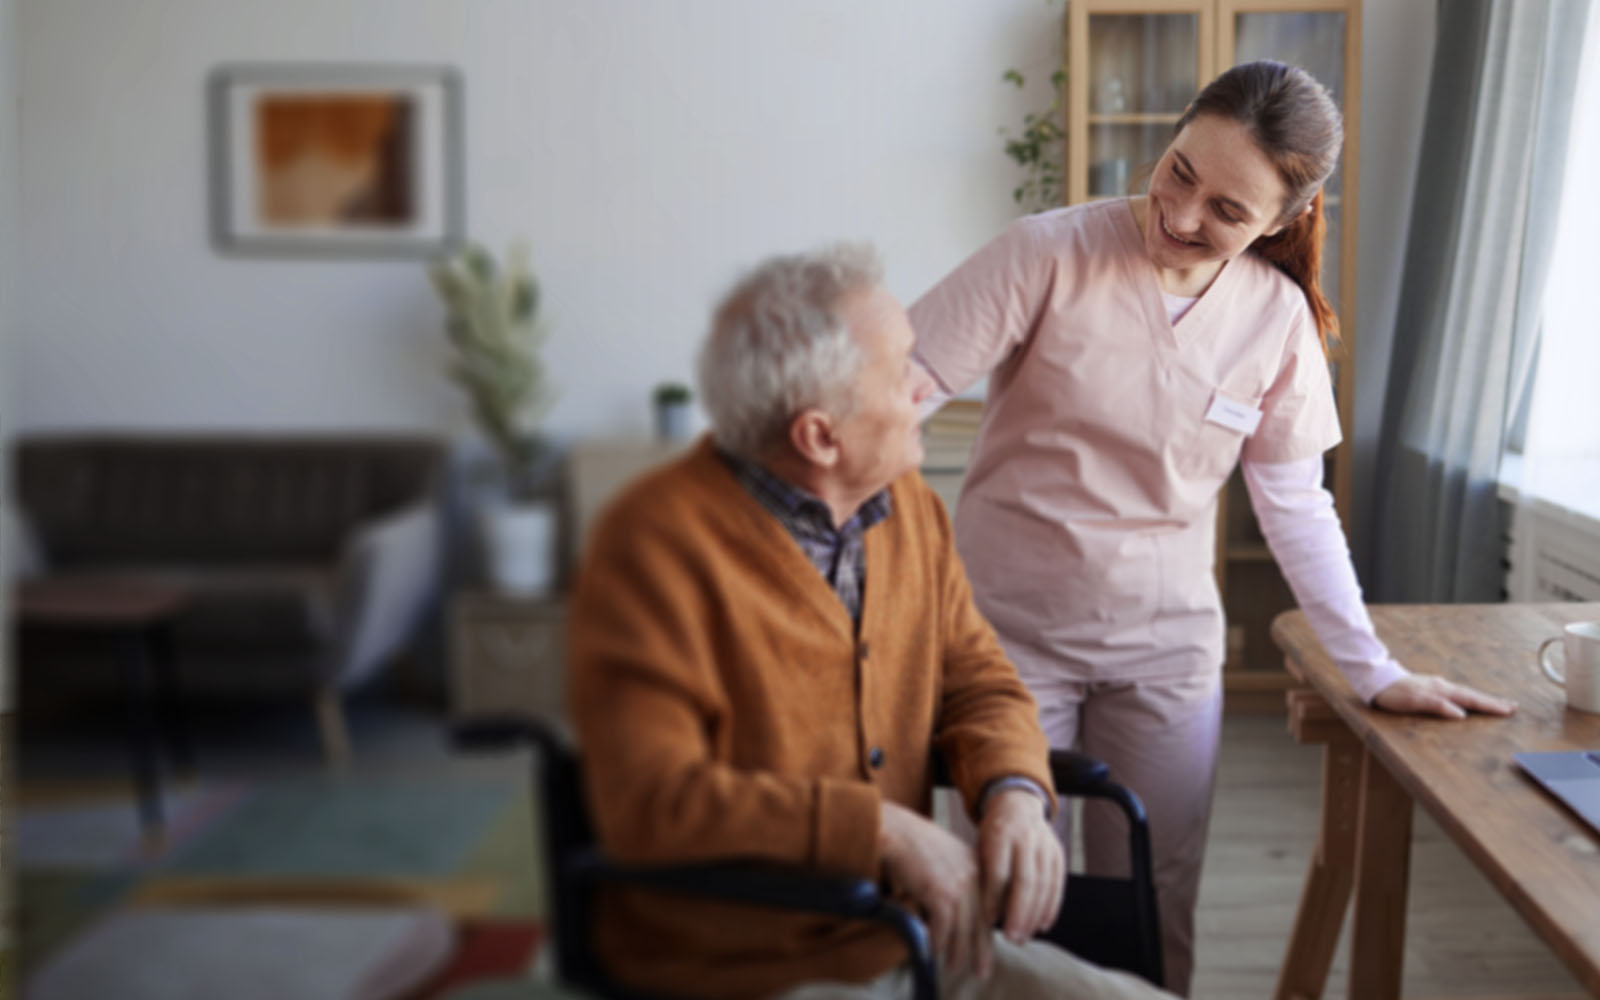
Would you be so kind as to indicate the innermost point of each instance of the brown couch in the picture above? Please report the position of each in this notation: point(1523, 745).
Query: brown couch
point(313, 555)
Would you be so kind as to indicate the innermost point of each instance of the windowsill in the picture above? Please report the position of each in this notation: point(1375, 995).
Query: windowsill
point(1569, 488)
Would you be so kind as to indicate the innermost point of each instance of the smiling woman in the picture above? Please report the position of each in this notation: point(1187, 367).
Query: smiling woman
point(1142, 349)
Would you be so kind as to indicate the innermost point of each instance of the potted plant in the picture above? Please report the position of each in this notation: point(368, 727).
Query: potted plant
point(1037, 148)
point(495, 332)
point(672, 411)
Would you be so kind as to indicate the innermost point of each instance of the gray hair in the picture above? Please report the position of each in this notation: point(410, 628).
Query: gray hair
point(779, 344)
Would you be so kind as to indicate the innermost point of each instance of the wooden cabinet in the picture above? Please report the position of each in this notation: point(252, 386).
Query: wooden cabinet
point(507, 655)
point(1132, 66)
point(947, 440)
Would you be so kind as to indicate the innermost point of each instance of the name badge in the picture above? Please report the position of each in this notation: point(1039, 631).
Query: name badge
point(1233, 414)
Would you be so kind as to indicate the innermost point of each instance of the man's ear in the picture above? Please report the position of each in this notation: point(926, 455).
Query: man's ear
point(811, 434)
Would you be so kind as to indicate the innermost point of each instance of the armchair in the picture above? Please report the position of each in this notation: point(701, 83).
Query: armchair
point(1109, 921)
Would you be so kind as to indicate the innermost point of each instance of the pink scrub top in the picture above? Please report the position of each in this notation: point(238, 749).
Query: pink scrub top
point(1087, 520)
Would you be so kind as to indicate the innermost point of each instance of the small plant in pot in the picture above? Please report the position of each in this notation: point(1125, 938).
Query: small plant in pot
point(495, 332)
point(672, 411)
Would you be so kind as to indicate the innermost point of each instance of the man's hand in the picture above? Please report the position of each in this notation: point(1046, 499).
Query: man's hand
point(937, 871)
point(1024, 869)
point(1430, 694)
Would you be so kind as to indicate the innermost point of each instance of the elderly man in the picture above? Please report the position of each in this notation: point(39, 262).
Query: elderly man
point(770, 635)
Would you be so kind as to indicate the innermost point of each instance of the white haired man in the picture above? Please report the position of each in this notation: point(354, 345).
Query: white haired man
point(769, 637)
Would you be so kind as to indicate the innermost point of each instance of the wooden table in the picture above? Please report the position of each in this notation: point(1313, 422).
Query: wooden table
point(138, 618)
point(1542, 858)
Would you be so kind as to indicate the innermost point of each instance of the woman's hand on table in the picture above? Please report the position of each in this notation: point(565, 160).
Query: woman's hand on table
point(1430, 694)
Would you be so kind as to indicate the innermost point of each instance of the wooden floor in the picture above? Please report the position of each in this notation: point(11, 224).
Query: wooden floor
point(1462, 939)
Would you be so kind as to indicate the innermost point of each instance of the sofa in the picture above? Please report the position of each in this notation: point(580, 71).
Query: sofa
point(313, 558)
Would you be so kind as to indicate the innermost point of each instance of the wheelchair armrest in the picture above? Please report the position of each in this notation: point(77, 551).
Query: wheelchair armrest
point(764, 885)
point(1076, 773)
point(784, 888)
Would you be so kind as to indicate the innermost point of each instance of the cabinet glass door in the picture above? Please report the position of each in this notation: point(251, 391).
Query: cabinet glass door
point(1143, 70)
point(1313, 41)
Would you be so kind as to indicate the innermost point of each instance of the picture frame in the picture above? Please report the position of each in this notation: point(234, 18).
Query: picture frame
point(335, 160)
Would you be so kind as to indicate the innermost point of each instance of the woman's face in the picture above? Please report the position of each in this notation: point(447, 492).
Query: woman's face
point(1212, 195)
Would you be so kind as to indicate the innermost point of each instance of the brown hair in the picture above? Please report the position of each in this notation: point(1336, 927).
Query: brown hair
point(1295, 122)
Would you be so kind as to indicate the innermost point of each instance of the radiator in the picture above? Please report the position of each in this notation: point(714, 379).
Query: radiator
point(1554, 555)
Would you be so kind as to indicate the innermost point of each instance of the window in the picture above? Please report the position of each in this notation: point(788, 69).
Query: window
point(1560, 442)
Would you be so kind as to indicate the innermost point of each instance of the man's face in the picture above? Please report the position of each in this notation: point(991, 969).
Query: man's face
point(881, 440)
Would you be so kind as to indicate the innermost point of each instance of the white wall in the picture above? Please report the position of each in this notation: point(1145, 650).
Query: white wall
point(1396, 62)
point(646, 149)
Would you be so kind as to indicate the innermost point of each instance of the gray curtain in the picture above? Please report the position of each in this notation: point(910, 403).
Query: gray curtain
point(1483, 219)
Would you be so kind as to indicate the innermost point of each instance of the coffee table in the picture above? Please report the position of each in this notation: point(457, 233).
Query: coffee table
point(137, 617)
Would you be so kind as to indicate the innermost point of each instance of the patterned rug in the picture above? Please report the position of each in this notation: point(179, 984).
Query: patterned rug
point(462, 843)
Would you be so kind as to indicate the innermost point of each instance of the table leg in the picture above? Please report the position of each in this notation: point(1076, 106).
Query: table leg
point(1383, 858)
point(141, 736)
point(1326, 895)
point(169, 700)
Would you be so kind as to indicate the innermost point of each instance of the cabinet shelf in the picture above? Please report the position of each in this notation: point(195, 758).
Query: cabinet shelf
point(1259, 680)
point(1137, 118)
point(1246, 552)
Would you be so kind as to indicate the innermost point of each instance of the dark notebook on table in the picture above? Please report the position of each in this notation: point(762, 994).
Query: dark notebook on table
point(1573, 776)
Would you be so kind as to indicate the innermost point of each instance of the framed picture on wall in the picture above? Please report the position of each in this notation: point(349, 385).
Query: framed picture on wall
point(346, 160)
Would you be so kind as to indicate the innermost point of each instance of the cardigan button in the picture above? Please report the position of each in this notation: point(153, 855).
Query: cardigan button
point(863, 650)
point(875, 757)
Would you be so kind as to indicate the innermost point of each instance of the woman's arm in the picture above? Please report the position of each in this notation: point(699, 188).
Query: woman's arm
point(978, 314)
point(1302, 528)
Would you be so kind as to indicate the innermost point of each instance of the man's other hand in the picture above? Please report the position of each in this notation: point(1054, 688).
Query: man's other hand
point(1024, 871)
point(939, 873)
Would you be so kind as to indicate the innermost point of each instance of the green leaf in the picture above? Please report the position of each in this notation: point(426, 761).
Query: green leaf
point(494, 333)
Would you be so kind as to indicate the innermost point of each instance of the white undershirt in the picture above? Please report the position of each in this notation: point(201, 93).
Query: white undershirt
point(1177, 305)
point(1302, 529)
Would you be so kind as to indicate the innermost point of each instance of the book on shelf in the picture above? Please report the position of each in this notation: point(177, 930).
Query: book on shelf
point(957, 414)
point(949, 433)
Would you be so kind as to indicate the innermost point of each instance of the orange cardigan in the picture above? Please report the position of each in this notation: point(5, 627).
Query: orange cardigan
point(727, 709)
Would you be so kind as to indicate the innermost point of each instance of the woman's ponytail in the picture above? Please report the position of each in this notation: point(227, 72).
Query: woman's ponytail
point(1296, 250)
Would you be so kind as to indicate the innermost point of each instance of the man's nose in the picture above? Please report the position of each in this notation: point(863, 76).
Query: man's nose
point(922, 384)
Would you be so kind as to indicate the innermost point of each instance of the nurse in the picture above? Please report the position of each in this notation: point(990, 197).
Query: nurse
point(1138, 350)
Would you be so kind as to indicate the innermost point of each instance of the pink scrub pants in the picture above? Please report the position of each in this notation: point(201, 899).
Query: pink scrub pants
point(1159, 737)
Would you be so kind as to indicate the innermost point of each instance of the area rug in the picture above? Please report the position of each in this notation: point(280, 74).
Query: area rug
point(465, 844)
point(101, 834)
point(266, 953)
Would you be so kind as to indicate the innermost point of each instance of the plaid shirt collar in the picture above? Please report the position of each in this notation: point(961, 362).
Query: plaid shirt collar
point(837, 553)
point(800, 511)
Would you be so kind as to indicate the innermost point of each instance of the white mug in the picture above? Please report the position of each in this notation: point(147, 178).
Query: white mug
point(1581, 642)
